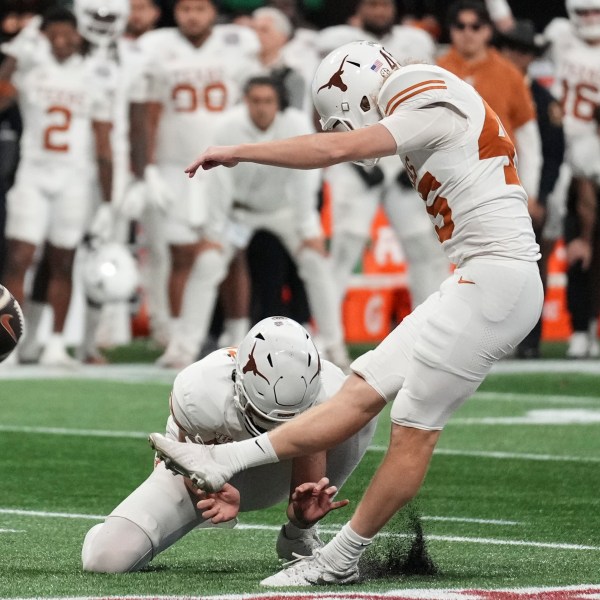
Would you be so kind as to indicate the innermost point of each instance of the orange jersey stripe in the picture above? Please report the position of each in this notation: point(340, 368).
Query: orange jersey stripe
point(412, 87)
point(401, 100)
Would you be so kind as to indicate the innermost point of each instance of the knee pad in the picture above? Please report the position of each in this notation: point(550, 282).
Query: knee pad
point(115, 546)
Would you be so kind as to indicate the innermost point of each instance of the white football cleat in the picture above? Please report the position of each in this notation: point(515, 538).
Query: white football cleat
point(175, 357)
point(194, 461)
point(311, 570)
point(289, 549)
point(578, 345)
point(57, 356)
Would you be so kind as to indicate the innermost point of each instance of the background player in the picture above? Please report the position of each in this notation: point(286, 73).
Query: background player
point(258, 197)
point(67, 121)
point(189, 87)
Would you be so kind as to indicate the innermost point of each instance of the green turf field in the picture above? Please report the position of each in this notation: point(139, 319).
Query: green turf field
point(512, 498)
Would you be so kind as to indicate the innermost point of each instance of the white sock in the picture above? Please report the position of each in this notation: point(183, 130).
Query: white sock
point(91, 323)
point(249, 453)
point(295, 533)
point(32, 312)
point(56, 341)
point(345, 549)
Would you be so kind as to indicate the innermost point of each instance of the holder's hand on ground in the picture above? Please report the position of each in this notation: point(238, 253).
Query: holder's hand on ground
point(312, 501)
point(214, 156)
point(220, 506)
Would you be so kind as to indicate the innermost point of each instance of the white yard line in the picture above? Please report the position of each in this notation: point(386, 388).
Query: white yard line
point(440, 451)
point(60, 515)
point(537, 398)
point(74, 432)
point(471, 520)
point(149, 373)
point(334, 530)
point(505, 455)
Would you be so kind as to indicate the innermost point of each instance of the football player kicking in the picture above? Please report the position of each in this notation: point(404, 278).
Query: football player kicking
point(236, 394)
point(463, 166)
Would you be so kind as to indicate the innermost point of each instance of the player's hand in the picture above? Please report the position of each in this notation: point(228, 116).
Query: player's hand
point(315, 243)
point(220, 506)
point(312, 501)
point(214, 156)
point(537, 212)
point(157, 189)
point(132, 202)
point(103, 222)
point(579, 250)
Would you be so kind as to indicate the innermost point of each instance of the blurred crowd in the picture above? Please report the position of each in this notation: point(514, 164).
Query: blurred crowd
point(101, 109)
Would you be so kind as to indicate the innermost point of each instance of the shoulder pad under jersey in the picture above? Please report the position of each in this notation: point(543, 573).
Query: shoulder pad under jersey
point(414, 86)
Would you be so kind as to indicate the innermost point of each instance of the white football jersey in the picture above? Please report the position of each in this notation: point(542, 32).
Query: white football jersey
point(578, 87)
point(196, 85)
point(202, 401)
point(58, 103)
point(466, 175)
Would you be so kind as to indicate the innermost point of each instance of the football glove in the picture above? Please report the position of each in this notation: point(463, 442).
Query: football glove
point(133, 201)
point(102, 223)
point(159, 194)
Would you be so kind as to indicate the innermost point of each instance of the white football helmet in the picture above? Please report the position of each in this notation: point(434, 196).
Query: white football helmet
point(277, 373)
point(346, 86)
point(110, 273)
point(102, 22)
point(586, 22)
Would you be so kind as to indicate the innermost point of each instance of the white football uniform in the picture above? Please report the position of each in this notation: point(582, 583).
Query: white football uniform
point(252, 197)
point(462, 164)
point(578, 86)
point(53, 193)
point(195, 87)
point(354, 203)
point(202, 405)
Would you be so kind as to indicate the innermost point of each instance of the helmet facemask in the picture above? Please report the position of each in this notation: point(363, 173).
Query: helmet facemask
point(102, 22)
point(585, 16)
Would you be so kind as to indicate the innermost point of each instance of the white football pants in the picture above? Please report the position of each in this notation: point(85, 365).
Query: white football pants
point(211, 266)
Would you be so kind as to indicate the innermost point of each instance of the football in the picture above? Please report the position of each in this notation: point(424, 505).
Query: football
point(11, 323)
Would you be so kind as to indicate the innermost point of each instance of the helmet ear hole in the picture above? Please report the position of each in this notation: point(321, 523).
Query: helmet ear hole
point(365, 105)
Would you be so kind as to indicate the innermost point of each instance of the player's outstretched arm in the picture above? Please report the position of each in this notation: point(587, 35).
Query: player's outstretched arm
point(302, 152)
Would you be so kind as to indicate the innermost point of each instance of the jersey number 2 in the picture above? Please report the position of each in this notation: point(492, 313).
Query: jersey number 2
point(65, 118)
